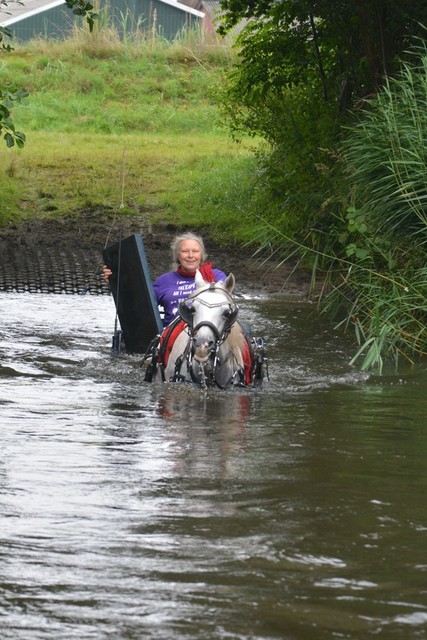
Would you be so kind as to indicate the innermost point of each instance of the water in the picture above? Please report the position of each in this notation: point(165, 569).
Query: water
point(132, 511)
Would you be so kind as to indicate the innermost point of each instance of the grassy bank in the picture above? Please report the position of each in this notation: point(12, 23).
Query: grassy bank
point(58, 173)
point(111, 123)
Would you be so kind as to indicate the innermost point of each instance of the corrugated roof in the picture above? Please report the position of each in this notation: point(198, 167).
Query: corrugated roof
point(14, 12)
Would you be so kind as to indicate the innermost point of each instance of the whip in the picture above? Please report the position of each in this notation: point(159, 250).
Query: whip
point(116, 343)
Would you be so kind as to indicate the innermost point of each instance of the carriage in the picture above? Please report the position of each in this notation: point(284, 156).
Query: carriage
point(205, 345)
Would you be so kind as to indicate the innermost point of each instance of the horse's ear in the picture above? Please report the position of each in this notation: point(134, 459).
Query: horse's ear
point(230, 283)
point(198, 279)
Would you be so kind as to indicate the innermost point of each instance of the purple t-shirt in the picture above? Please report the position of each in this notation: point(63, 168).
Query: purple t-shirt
point(171, 288)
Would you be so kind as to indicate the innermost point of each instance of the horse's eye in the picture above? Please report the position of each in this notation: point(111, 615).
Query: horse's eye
point(227, 313)
point(191, 309)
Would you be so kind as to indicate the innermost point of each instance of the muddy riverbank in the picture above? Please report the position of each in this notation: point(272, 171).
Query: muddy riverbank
point(65, 255)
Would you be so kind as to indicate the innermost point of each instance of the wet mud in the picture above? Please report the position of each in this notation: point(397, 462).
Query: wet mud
point(64, 255)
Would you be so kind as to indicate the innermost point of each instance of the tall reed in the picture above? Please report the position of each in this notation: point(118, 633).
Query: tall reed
point(367, 241)
point(383, 291)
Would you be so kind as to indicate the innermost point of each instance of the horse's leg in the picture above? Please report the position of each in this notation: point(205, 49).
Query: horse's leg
point(231, 367)
point(177, 362)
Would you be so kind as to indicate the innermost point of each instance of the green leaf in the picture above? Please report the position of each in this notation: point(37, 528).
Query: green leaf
point(361, 253)
point(9, 140)
point(351, 249)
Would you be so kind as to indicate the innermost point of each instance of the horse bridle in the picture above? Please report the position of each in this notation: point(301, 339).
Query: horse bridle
point(186, 310)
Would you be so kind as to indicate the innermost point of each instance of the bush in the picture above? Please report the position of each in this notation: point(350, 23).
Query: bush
point(383, 284)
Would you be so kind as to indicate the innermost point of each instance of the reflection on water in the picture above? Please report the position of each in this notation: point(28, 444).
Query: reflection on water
point(129, 510)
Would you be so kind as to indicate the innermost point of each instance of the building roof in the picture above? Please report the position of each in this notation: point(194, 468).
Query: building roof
point(15, 11)
point(213, 9)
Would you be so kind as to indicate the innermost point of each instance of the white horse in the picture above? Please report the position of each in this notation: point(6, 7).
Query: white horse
point(207, 345)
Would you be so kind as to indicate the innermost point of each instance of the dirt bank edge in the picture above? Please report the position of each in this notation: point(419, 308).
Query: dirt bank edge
point(70, 248)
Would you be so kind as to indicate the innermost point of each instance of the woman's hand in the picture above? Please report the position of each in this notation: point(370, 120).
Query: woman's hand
point(106, 273)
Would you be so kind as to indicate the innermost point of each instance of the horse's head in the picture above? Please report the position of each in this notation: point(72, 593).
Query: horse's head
point(210, 312)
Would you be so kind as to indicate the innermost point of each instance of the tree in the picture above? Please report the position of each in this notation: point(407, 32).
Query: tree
point(351, 44)
point(349, 200)
point(84, 9)
point(10, 95)
point(302, 66)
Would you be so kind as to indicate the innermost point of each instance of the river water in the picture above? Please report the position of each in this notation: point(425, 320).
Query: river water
point(134, 511)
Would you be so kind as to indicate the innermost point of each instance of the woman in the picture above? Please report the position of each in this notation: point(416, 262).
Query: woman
point(189, 255)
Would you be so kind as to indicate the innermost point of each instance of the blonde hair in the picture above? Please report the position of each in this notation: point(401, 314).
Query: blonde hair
point(176, 243)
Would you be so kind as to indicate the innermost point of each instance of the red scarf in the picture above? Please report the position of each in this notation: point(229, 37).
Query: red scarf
point(205, 269)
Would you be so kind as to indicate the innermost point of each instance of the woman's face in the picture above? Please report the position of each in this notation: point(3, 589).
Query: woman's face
point(189, 255)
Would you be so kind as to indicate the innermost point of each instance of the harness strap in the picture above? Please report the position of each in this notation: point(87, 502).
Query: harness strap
point(151, 352)
point(177, 377)
point(160, 348)
point(260, 360)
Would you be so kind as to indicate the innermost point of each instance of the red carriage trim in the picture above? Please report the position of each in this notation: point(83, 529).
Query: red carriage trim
point(167, 340)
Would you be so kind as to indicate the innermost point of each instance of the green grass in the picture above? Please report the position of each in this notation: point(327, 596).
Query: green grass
point(100, 108)
point(76, 87)
point(58, 173)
